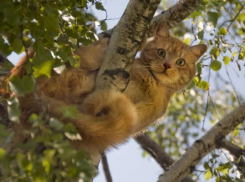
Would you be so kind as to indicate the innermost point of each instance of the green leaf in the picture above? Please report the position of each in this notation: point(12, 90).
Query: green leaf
point(75, 61)
point(13, 109)
point(21, 86)
point(103, 25)
point(83, 3)
point(206, 165)
point(17, 45)
point(215, 65)
point(3, 132)
point(47, 166)
point(56, 124)
point(13, 17)
point(213, 18)
point(187, 40)
point(222, 31)
point(208, 175)
point(215, 52)
point(200, 34)
point(205, 85)
point(190, 85)
point(69, 111)
point(226, 60)
point(234, 54)
point(236, 132)
point(43, 68)
point(224, 168)
point(2, 153)
point(227, 165)
point(199, 67)
point(49, 154)
point(195, 14)
point(99, 6)
point(5, 48)
point(51, 22)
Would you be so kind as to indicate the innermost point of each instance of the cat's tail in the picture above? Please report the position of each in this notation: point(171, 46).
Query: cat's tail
point(108, 118)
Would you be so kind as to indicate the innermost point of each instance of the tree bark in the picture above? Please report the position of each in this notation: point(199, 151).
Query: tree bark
point(203, 146)
point(172, 16)
point(161, 157)
point(124, 42)
point(237, 152)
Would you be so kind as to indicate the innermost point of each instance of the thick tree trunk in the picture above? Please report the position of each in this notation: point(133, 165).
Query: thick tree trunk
point(124, 42)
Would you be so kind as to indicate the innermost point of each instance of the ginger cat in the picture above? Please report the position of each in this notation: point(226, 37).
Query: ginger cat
point(107, 117)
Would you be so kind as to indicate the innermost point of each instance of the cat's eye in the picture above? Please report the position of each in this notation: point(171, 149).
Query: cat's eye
point(180, 62)
point(161, 52)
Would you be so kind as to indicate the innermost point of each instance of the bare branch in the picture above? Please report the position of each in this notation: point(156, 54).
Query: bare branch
point(162, 158)
point(232, 148)
point(106, 168)
point(203, 146)
point(172, 16)
point(236, 151)
point(124, 43)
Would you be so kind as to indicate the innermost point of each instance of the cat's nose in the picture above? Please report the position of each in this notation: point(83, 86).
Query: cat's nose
point(166, 66)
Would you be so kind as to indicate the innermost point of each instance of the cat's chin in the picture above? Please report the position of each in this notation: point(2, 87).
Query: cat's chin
point(162, 77)
point(165, 79)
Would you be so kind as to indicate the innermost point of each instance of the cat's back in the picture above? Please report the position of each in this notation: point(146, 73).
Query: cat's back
point(70, 86)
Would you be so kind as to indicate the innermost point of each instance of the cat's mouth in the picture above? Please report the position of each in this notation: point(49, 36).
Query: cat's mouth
point(165, 72)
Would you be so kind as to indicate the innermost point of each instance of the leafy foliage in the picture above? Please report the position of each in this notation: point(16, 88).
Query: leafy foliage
point(53, 29)
point(47, 156)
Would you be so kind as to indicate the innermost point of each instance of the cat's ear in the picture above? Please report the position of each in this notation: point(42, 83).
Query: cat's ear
point(199, 50)
point(162, 30)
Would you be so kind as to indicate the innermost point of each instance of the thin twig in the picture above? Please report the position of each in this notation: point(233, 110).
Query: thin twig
point(240, 10)
point(106, 168)
point(238, 99)
point(208, 96)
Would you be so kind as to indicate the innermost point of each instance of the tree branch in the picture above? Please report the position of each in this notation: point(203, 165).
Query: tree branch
point(231, 148)
point(172, 16)
point(236, 151)
point(124, 42)
point(203, 146)
point(106, 168)
point(162, 158)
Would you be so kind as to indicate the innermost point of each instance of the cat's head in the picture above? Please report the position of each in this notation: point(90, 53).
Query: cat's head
point(171, 61)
